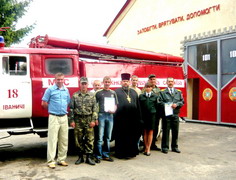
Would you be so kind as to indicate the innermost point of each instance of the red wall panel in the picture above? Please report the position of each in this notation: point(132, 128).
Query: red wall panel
point(228, 106)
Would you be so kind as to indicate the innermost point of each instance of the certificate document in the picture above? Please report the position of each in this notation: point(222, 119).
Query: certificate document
point(109, 104)
point(168, 109)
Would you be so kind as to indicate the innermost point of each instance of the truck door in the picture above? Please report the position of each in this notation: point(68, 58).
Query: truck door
point(15, 89)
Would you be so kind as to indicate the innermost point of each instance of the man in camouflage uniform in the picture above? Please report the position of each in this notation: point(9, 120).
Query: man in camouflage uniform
point(174, 98)
point(83, 115)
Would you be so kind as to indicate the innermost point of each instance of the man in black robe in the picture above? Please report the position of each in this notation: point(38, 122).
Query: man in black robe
point(127, 120)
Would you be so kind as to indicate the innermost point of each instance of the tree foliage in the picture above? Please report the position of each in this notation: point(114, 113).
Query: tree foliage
point(10, 12)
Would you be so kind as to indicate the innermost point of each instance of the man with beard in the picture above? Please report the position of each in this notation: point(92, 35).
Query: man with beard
point(127, 121)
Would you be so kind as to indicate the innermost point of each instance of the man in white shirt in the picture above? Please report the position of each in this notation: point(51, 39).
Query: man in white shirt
point(96, 86)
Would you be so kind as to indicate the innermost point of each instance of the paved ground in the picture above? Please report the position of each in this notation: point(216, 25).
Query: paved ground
point(208, 152)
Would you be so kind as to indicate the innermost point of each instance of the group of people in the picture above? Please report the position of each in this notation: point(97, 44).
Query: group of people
point(125, 115)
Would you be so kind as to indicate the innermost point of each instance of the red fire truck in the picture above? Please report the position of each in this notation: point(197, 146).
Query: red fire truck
point(25, 73)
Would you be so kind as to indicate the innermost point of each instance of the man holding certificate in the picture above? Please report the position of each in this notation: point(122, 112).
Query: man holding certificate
point(107, 102)
point(171, 100)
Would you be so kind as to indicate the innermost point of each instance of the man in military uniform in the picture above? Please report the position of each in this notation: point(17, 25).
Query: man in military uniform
point(171, 100)
point(83, 115)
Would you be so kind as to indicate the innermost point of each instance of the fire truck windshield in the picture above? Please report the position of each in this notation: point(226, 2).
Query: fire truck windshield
point(54, 65)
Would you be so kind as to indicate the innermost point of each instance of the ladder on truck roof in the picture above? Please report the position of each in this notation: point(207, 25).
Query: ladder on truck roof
point(106, 52)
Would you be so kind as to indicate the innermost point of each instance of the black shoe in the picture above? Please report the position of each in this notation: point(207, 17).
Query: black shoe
point(80, 160)
point(97, 160)
point(165, 151)
point(108, 159)
point(90, 161)
point(154, 147)
point(147, 154)
point(176, 150)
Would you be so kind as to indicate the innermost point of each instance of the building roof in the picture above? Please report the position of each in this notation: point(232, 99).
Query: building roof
point(119, 16)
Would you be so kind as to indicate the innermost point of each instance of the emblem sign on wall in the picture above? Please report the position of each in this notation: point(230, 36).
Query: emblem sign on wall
point(232, 94)
point(207, 94)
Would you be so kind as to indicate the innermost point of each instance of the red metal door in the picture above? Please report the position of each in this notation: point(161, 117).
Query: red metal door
point(228, 103)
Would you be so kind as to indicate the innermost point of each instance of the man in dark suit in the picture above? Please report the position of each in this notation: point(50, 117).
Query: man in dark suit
point(171, 100)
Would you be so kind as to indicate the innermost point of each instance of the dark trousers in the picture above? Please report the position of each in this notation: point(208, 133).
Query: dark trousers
point(156, 130)
point(170, 123)
point(95, 140)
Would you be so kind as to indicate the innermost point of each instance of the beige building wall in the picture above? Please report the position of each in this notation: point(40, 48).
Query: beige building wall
point(141, 15)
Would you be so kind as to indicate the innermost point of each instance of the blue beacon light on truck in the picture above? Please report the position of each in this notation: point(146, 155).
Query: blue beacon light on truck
point(2, 43)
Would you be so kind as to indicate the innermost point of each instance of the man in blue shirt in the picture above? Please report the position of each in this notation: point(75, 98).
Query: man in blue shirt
point(56, 99)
